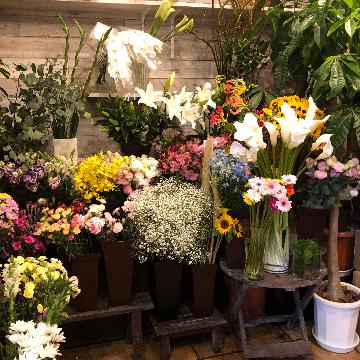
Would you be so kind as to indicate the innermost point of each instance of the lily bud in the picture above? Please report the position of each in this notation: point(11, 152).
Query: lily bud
point(169, 82)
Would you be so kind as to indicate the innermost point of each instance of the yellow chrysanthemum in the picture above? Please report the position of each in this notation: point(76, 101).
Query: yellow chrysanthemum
point(224, 224)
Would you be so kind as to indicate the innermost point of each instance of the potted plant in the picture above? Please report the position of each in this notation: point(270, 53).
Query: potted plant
point(338, 299)
point(64, 98)
point(306, 260)
point(169, 224)
point(117, 252)
point(230, 177)
point(134, 125)
point(35, 293)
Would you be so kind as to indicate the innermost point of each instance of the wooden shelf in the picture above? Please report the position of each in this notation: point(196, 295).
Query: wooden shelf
point(125, 6)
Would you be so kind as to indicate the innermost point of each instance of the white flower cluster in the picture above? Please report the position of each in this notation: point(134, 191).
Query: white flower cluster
point(35, 341)
point(185, 106)
point(170, 221)
point(124, 48)
point(145, 169)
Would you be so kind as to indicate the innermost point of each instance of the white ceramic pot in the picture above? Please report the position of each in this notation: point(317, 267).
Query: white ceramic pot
point(65, 147)
point(335, 323)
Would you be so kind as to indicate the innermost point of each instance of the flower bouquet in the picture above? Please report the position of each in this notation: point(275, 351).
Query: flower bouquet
point(267, 199)
point(38, 173)
point(258, 142)
point(36, 292)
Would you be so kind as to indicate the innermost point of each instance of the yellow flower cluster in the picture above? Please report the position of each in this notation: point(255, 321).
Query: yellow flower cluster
point(299, 105)
point(97, 174)
point(36, 274)
point(225, 224)
point(4, 195)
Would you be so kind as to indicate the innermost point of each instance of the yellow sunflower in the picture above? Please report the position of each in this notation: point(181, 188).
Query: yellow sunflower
point(224, 224)
point(237, 228)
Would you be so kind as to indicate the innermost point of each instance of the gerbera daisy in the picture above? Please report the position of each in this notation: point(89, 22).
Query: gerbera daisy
point(283, 204)
point(224, 224)
point(246, 200)
point(289, 179)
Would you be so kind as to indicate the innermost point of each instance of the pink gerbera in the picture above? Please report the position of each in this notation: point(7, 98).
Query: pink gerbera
point(283, 204)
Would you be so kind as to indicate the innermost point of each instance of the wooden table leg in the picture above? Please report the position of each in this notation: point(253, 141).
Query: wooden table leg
point(305, 302)
point(165, 347)
point(137, 335)
point(241, 295)
point(217, 340)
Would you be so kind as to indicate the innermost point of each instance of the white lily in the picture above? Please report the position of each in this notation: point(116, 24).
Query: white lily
point(327, 148)
point(250, 132)
point(190, 113)
point(288, 123)
point(309, 121)
point(204, 95)
point(173, 106)
point(273, 132)
point(149, 97)
point(242, 153)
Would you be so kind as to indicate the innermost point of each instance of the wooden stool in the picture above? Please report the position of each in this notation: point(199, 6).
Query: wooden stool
point(140, 302)
point(187, 324)
point(287, 282)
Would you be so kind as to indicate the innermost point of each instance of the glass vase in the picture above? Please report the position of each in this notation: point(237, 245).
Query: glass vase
point(140, 75)
point(254, 264)
point(276, 258)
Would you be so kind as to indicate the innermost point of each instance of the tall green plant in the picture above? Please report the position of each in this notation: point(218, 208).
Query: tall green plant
point(319, 47)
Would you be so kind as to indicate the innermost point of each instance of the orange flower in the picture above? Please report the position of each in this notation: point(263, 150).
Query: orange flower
point(289, 189)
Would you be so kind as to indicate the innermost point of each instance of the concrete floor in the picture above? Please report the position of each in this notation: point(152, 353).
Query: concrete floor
point(199, 347)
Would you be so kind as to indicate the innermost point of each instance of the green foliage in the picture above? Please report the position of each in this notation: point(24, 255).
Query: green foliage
point(306, 258)
point(127, 122)
point(319, 47)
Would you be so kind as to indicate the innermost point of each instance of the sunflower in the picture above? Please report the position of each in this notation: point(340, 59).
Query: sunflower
point(224, 224)
point(237, 228)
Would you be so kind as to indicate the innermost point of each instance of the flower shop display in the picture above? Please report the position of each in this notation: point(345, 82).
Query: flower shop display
point(132, 53)
point(117, 252)
point(258, 142)
point(103, 174)
point(170, 224)
point(267, 198)
point(36, 292)
point(306, 261)
point(134, 125)
point(32, 175)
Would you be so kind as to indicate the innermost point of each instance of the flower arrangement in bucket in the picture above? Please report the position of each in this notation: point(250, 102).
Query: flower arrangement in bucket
point(36, 292)
point(258, 142)
point(169, 223)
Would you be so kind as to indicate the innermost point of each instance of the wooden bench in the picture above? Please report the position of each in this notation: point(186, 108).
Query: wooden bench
point(140, 302)
point(187, 324)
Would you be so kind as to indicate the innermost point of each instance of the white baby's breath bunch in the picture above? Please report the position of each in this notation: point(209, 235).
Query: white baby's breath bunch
point(170, 221)
point(35, 341)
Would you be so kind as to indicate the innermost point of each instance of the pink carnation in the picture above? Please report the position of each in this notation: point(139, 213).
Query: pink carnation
point(117, 227)
point(320, 174)
point(95, 225)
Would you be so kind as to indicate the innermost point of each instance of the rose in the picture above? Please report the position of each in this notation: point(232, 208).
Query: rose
point(320, 174)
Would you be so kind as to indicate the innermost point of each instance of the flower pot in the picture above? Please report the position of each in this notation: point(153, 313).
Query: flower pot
point(119, 271)
point(167, 289)
point(203, 277)
point(65, 147)
point(235, 253)
point(311, 222)
point(335, 323)
point(346, 244)
point(86, 268)
point(134, 149)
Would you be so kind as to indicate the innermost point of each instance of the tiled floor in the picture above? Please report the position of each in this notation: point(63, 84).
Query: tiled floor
point(199, 348)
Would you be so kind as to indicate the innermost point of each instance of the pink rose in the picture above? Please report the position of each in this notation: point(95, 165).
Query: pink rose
point(338, 166)
point(320, 174)
point(16, 245)
point(117, 227)
point(352, 172)
point(321, 165)
point(29, 239)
